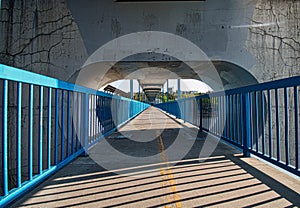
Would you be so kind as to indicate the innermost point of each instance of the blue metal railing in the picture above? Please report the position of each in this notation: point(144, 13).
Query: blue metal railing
point(46, 123)
point(261, 119)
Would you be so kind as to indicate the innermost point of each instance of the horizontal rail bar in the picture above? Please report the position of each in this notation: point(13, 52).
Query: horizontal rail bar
point(19, 75)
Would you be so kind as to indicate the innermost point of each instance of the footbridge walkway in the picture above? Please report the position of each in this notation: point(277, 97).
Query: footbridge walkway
point(64, 145)
point(224, 178)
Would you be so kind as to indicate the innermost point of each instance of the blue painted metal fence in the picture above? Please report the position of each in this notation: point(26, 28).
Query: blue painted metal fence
point(261, 119)
point(46, 123)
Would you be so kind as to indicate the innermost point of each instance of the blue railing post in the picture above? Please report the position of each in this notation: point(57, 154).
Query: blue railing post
point(246, 125)
point(62, 125)
point(30, 133)
point(56, 128)
point(86, 123)
point(296, 128)
point(49, 125)
point(41, 130)
point(201, 114)
point(5, 138)
point(19, 136)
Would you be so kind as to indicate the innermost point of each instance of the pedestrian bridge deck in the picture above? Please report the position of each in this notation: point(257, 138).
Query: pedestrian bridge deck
point(158, 161)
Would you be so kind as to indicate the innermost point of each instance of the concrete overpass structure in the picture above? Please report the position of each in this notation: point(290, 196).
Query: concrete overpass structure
point(227, 44)
point(246, 42)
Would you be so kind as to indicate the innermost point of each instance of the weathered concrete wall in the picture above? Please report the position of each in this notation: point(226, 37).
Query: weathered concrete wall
point(56, 37)
point(207, 24)
point(40, 36)
point(275, 40)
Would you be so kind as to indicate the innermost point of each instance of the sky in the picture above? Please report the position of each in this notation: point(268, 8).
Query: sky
point(186, 85)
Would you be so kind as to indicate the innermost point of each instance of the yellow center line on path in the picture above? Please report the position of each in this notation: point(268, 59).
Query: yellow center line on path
point(168, 177)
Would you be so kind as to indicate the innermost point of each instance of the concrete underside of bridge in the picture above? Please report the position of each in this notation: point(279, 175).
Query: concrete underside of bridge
point(247, 41)
point(142, 172)
point(152, 75)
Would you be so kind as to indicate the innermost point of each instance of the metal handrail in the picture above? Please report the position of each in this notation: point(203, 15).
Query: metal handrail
point(55, 122)
point(260, 119)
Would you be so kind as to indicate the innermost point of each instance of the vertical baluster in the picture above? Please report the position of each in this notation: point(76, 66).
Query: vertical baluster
point(215, 115)
point(86, 123)
point(262, 98)
point(19, 135)
point(286, 133)
point(243, 119)
point(56, 128)
point(201, 114)
point(251, 119)
point(256, 122)
point(90, 129)
point(270, 123)
point(223, 111)
point(30, 132)
point(223, 115)
point(234, 106)
point(68, 124)
point(62, 143)
point(77, 109)
point(97, 116)
point(5, 138)
point(93, 114)
point(237, 118)
point(247, 124)
point(73, 120)
point(277, 124)
point(92, 120)
point(211, 123)
point(49, 125)
point(238, 112)
point(78, 122)
point(183, 114)
point(220, 116)
point(296, 104)
point(231, 117)
point(41, 130)
point(212, 117)
point(227, 116)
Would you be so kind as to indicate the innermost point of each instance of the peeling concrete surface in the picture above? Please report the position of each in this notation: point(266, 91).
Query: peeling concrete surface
point(56, 37)
point(274, 39)
point(40, 36)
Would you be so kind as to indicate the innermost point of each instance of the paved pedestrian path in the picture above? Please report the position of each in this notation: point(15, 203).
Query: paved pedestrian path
point(158, 161)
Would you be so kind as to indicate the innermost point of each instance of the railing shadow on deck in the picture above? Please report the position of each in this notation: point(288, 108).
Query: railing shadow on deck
point(225, 178)
point(200, 184)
